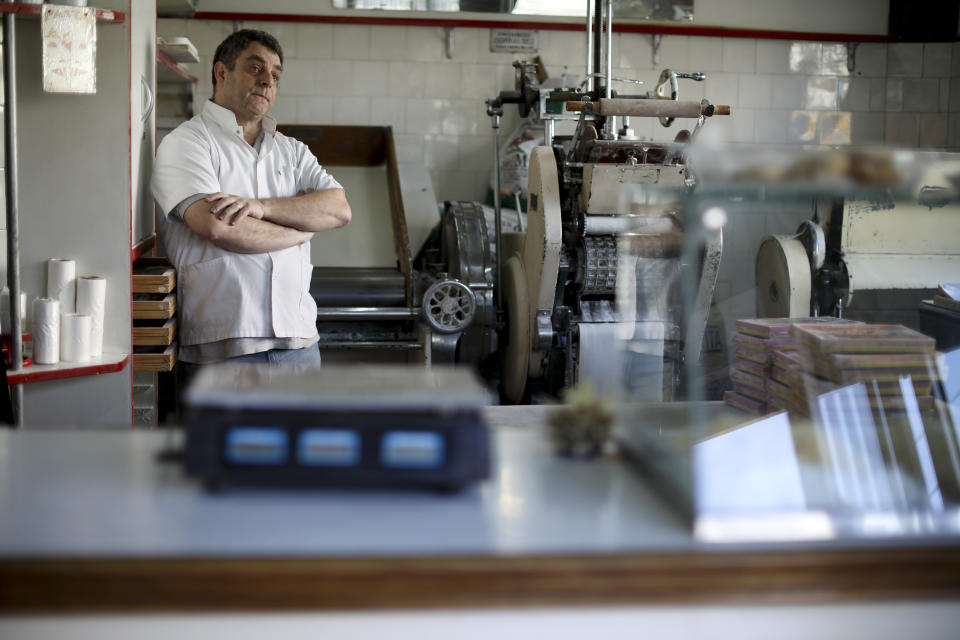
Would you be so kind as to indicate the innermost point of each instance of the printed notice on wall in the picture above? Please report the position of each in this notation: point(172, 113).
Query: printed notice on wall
point(69, 49)
point(513, 41)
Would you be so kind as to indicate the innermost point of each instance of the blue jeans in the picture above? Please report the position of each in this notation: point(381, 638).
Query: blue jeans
point(296, 360)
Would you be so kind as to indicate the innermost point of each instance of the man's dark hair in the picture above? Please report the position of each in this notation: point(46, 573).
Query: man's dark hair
point(235, 43)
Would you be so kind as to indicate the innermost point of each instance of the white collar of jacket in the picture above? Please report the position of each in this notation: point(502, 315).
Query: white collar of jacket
point(228, 119)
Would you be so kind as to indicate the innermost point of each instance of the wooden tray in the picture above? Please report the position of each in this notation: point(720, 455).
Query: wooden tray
point(148, 306)
point(154, 332)
point(153, 278)
point(155, 358)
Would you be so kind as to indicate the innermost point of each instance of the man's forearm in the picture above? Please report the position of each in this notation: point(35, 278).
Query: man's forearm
point(260, 236)
point(314, 211)
point(248, 235)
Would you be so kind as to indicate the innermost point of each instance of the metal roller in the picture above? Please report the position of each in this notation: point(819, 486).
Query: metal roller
point(357, 287)
point(595, 225)
point(651, 108)
point(337, 314)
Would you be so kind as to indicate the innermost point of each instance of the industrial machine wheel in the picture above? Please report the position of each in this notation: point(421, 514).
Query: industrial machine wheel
point(466, 251)
point(783, 278)
point(449, 306)
point(516, 355)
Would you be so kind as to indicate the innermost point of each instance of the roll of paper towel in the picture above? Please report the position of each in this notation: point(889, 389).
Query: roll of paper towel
point(600, 358)
point(62, 283)
point(74, 337)
point(91, 293)
point(46, 331)
point(5, 327)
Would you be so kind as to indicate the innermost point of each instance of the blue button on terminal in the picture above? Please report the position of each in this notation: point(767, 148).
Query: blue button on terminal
point(328, 448)
point(256, 446)
point(412, 450)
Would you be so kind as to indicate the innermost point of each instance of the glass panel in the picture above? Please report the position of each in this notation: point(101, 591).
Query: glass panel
point(812, 390)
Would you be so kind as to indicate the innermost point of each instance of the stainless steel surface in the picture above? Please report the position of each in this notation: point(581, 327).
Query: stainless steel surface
point(357, 287)
point(588, 75)
point(367, 313)
point(369, 345)
point(611, 124)
point(496, 208)
point(597, 44)
point(12, 196)
point(347, 388)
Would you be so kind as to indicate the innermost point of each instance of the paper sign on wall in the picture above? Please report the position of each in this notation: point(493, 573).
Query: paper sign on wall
point(513, 40)
point(69, 49)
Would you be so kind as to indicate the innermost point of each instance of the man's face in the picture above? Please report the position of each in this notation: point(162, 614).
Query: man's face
point(249, 89)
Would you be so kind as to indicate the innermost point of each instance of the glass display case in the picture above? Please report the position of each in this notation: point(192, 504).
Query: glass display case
point(815, 394)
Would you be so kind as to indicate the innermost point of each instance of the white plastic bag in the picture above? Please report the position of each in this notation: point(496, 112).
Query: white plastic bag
point(515, 158)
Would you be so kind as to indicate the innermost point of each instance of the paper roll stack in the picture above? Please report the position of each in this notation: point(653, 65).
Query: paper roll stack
point(46, 331)
point(75, 337)
point(91, 294)
point(5, 327)
point(600, 357)
point(62, 283)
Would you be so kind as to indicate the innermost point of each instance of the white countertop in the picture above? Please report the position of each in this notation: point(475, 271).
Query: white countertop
point(102, 493)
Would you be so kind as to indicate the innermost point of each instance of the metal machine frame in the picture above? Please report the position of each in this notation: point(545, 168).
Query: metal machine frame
point(566, 265)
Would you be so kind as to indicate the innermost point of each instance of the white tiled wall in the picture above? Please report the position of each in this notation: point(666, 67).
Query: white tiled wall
point(781, 91)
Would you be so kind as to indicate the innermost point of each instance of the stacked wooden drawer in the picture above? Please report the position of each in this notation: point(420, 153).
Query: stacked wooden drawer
point(154, 315)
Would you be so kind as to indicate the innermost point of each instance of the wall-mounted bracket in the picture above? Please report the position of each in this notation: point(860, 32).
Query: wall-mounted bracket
point(852, 56)
point(448, 39)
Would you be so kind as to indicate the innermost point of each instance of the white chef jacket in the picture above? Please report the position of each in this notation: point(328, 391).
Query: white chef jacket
point(223, 294)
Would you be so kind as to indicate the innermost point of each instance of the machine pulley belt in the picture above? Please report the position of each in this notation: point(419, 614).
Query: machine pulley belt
point(652, 108)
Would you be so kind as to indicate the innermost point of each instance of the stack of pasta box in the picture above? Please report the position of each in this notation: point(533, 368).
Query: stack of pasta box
point(894, 364)
point(765, 363)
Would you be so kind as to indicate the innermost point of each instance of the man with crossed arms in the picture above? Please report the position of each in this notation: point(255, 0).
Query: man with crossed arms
point(239, 203)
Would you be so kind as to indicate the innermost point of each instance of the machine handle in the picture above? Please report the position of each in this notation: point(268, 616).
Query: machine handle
point(651, 108)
